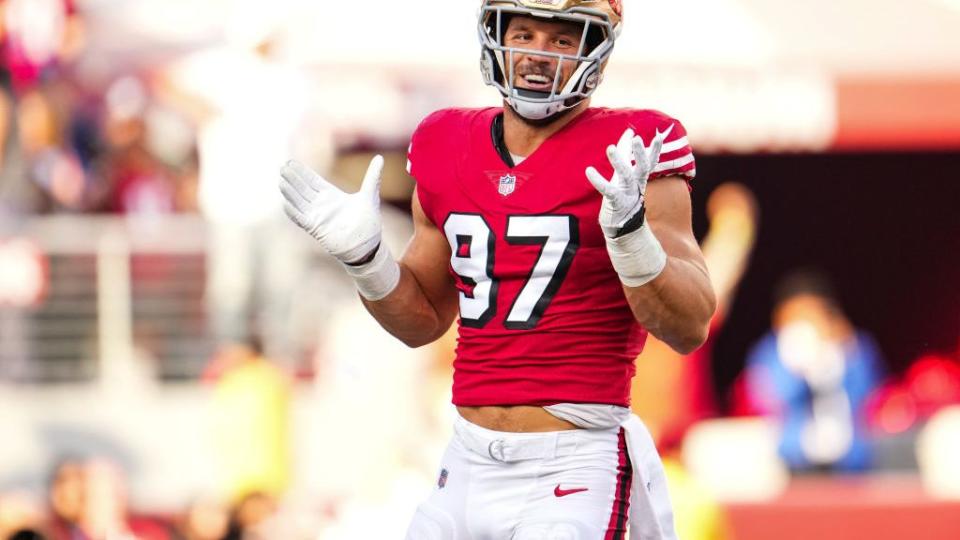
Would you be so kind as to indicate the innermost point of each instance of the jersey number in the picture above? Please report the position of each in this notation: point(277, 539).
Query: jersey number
point(473, 247)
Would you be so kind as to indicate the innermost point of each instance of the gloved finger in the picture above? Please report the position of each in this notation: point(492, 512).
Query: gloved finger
point(621, 164)
point(599, 182)
point(307, 175)
point(641, 153)
point(624, 143)
point(293, 198)
point(296, 183)
point(656, 147)
point(373, 178)
point(295, 216)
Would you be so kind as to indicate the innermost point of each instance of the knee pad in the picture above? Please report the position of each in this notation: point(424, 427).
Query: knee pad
point(431, 523)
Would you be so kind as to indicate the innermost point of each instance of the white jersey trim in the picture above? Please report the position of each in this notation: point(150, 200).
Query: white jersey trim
point(673, 146)
point(674, 163)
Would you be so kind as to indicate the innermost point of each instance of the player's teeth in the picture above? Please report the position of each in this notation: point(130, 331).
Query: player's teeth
point(537, 79)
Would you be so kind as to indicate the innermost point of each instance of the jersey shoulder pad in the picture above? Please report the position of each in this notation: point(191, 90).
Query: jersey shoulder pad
point(676, 156)
point(432, 139)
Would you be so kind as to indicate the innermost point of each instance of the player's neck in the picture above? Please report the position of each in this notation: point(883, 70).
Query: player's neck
point(523, 138)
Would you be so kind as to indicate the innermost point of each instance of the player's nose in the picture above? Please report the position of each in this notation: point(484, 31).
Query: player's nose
point(537, 62)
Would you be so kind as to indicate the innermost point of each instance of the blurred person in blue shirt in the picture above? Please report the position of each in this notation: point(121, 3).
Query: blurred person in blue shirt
point(814, 371)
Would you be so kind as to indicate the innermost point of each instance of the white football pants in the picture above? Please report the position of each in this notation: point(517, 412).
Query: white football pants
point(563, 485)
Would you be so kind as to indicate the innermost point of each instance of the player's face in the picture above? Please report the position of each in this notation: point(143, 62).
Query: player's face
point(537, 72)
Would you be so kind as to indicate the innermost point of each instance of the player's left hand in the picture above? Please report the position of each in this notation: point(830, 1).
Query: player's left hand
point(623, 210)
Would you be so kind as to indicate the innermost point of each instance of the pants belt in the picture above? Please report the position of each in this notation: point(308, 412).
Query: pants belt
point(510, 447)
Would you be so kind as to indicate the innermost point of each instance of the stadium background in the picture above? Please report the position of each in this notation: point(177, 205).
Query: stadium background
point(841, 118)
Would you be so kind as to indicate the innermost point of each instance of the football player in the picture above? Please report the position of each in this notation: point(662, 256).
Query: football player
point(558, 235)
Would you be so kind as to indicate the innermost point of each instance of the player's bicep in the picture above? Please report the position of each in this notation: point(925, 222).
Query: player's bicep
point(669, 214)
point(427, 257)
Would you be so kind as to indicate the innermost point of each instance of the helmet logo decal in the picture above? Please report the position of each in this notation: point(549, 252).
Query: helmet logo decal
point(617, 7)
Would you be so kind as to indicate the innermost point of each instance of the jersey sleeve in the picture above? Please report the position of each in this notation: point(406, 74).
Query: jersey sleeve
point(423, 156)
point(676, 156)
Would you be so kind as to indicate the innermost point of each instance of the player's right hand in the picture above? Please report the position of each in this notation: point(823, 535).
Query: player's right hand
point(347, 225)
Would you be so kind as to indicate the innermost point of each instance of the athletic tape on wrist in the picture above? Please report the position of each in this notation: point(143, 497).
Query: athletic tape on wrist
point(377, 278)
point(637, 257)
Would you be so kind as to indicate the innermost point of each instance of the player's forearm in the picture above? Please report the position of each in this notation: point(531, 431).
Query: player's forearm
point(407, 313)
point(677, 306)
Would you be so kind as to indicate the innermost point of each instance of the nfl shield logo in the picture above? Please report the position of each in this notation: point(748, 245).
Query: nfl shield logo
point(508, 183)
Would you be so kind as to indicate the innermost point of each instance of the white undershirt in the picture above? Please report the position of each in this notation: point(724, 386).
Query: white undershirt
point(590, 415)
point(517, 159)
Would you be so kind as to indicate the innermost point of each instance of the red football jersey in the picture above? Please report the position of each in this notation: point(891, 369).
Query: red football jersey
point(543, 317)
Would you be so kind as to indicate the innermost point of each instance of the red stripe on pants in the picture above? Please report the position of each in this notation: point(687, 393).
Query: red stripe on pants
point(617, 528)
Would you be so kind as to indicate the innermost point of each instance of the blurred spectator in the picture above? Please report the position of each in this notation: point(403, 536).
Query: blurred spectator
point(138, 182)
point(107, 514)
point(251, 517)
point(814, 372)
point(66, 494)
point(251, 406)
point(204, 519)
point(48, 175)
point(39, 37)
point(88, 501)
point(248, 105)
point(40, 168)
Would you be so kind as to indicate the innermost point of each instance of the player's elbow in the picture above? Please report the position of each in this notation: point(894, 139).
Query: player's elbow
point(419, 339)
point(415, 342)
point(690, 343)
point(696, 331)
point(689, 339)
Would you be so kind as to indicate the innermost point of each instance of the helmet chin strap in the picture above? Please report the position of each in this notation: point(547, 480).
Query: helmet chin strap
point(536, 110)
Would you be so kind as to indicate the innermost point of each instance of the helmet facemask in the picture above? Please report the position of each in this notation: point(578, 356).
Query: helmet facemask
point(498, 60)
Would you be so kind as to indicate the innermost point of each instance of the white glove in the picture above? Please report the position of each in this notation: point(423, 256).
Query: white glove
point(635, 252)
point(348, 226)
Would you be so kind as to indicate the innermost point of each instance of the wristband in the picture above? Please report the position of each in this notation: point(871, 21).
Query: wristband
point(377, 278)
point(637, 257)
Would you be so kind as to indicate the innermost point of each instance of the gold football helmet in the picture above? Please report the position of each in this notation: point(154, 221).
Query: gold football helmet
point(602, 23)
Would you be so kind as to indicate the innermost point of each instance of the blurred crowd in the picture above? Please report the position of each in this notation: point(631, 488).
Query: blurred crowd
point(202, 130)
point(87, 498)
point(70, 143)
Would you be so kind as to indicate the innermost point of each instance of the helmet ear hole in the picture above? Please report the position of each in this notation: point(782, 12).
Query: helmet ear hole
point(491, 67)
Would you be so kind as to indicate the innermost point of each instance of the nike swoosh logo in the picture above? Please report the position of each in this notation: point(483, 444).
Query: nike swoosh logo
point(564, 492)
